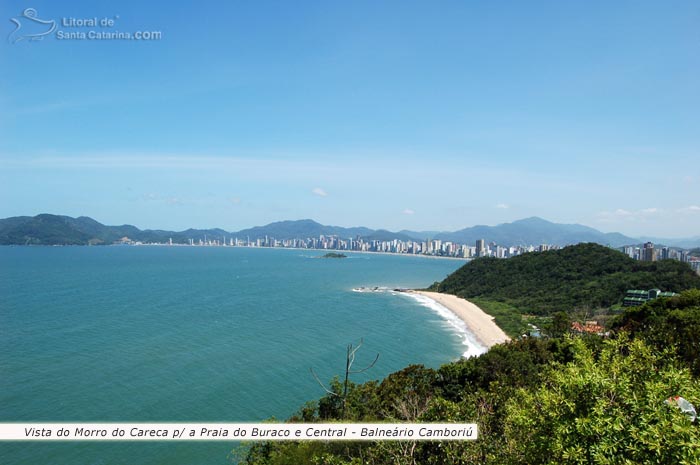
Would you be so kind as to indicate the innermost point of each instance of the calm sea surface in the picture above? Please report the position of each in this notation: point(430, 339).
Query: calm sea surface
point(188, 334)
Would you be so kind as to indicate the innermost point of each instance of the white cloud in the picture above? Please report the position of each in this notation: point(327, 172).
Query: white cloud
point(235, 200)
point(645, 217)
point(619, 214)
point(623, 213)
point(320, 192)
point(163, 199)
point(503, 206)
point(408, 211)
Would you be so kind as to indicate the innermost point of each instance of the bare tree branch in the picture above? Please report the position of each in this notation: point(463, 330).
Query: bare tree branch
point(367, 367)
point(321, 384)
point(351, 353)
point(349, 360)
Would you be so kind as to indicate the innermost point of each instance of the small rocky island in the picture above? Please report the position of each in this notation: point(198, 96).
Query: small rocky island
point(334, 255)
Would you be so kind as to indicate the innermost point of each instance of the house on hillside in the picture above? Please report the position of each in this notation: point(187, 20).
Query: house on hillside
point(588, 327)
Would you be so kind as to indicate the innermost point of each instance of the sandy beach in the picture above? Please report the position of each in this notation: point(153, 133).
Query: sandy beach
point(479, 322)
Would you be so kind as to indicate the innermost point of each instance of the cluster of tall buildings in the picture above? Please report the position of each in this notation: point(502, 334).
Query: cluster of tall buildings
point(432, 247)
point(648, 253)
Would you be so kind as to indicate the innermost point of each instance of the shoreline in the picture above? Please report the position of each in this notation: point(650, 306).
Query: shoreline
point(298, 249)
point(418, 255)
point(479, 323)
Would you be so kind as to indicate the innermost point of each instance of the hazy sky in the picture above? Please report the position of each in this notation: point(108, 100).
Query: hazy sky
point(399, 115)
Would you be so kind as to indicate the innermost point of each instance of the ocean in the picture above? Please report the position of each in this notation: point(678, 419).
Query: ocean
point(198, 334)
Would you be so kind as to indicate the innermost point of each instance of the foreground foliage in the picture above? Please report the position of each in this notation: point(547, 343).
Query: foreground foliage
point(673, 322)
point(570, 400)
point(605, 409)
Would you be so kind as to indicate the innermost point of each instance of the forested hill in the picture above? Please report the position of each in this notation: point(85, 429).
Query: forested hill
point(579, 276)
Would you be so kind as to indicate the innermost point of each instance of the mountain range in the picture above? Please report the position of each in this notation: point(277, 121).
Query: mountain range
point(47, 229)
point(535, 231)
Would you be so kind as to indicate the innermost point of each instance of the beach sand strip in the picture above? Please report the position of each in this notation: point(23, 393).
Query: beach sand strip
point(480, 323)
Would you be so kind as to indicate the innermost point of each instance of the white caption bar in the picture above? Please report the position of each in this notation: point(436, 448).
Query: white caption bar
point(236, 431)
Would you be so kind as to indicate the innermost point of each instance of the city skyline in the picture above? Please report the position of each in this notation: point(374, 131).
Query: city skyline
point(387, 115)
point(416, 247)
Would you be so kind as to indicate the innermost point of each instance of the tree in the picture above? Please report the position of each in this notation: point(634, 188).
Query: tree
point(560, 324)
point(606, 409)
point(335, 390)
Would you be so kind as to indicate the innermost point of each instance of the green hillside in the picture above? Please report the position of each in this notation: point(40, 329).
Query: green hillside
point(580, 276)
point(46, 229)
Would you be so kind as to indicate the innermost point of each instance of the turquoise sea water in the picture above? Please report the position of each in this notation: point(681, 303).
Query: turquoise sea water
point(192, 334)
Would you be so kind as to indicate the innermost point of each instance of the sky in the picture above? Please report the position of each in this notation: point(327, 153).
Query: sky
point(386, 114)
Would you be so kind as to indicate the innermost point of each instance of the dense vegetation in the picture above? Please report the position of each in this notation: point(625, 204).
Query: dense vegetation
point(580, 276)
point(569, 400)
point(673, 323)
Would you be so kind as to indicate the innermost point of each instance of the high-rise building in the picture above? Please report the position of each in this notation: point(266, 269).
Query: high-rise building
point(501, 252)
point(648, 254)
point(480, 248)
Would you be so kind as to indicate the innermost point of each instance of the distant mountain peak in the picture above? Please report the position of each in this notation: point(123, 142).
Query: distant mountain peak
point(532, 220)
point(533, 231)
point(302, 221)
